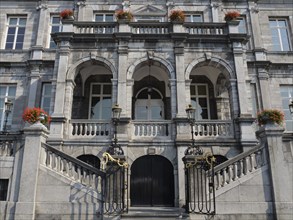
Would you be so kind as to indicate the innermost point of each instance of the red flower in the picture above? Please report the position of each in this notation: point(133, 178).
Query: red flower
point(177, 15)
point(32, 115)
point(231, 15)
point(66, 13)
point(270, 115)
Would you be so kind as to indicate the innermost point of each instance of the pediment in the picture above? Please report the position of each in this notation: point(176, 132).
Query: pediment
point(149, 10)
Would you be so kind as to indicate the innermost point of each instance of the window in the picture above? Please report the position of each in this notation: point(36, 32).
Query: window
point(280, 34)
point(199, 100)
point(46, 97)
point(15, 32)
point(56, 26)
point(287, 97)
point(194, 18)
point(101, 101)
point(242, 25)
point(149, 105)
point(3, 189)
point(6, 92)
point(104, 17)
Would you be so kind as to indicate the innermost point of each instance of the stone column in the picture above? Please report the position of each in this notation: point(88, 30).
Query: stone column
point(281, 170)
point(34, 79)
point(256, 33)
point(35, 136)
point(173, 97)
point(181, 176)
point(215, 11)
point(121, 94)
point(263, 78)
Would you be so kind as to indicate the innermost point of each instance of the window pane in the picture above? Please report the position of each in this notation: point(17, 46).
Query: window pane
point(12, 91)
point(282, 23)
point(109, 18)
point(3, 189)
point(201, 90)
point(22, 21)
point(107, 89)
point(12, 21)
point(8, 45)
point(2, 90)
point(21, 30)
point(11, 30)
point(10, 39)
point(95, 108)
point(203, 102)
point(273, 23)
point(156, 112)
point(19, 38)
point(96, 89)
point(18, 46)
point(55, 20)
point(99, 18)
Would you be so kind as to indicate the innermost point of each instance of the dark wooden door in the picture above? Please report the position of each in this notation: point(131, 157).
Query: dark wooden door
point(152, 182)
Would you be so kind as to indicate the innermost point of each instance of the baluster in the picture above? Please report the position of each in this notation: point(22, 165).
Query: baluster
point(218, 185)
point(58, 158)
point(78, 178)
point(241, 168)
point(224, 175)
point(245, 165)
point(257, 159)
point(252, 162)
point(99, 184)
point(235, 175)
point(229, 170)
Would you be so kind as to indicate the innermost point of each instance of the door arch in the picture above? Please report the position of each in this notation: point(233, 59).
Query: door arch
point(152, 182)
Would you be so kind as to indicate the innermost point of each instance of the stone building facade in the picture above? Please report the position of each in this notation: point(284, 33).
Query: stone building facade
point(78, 68)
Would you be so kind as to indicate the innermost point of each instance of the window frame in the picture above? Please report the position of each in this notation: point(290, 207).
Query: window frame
point(16, 33)
point(192, 15)
point(197, 96)
point(285, 100)
point(49, 111)
point(101, 96)
point(50, 39)
point(280, 44)
point(2, 108)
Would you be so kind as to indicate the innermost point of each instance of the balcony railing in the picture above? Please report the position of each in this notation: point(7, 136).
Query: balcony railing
point(151, 129)
point(215, 128)
point(159, 28)
point(89, 128)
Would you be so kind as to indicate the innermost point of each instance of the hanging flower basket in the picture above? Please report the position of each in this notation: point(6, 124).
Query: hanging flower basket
point(123, 15)
point(270, 116)
point(177, 15)
point(66, 14)
point(33, 115)
point(231, 15)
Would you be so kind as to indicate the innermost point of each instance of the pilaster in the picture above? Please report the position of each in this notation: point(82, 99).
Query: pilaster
point(34, 77)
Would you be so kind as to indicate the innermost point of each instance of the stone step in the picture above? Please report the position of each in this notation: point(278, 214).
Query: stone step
point(152, 213)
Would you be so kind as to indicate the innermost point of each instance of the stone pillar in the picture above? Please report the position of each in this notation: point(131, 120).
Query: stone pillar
point(256, 33)
point(181, 176)
point(215, 11)
point(281, 170)
point(58, 117)
point(263, 78)
point(180, 70)
point(36, 134)
point(121, 94)
point(173, 97)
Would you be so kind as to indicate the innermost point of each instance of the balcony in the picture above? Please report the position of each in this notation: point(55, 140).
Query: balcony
point(148, 130)
point(91, 31)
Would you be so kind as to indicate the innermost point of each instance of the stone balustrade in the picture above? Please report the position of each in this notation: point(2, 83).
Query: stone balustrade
point(241, 165)
point(72, 168)
point(89, 128)
point(216, 128)
point(150, 27)
point(95, 27)
point(159, 28)
point(206, 28)
point(151, 129)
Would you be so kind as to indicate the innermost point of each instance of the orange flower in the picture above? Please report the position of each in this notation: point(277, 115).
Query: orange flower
point(66, 13)
point(121, 14)
point(270, 115)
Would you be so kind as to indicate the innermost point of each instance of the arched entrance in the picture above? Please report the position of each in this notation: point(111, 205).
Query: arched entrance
point(152, 182)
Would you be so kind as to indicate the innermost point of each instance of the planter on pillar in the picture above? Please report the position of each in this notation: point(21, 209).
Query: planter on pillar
point(233, 26)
